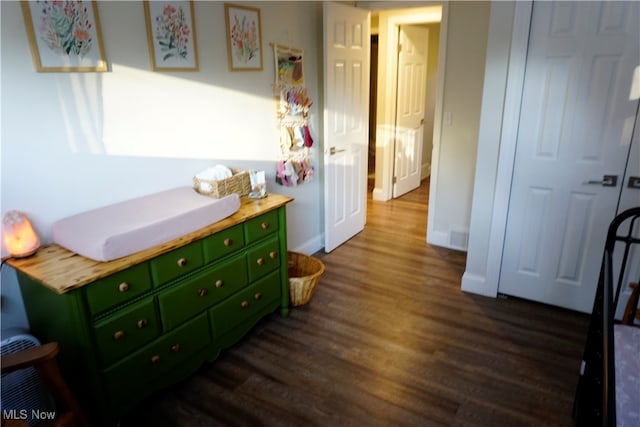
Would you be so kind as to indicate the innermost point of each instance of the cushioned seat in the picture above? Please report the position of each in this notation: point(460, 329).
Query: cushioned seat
point(124, 228)
point(627, 374)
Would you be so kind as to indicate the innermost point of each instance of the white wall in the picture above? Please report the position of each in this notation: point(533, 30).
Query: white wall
point(76, 141)
point(452, 180)
point(432, 78)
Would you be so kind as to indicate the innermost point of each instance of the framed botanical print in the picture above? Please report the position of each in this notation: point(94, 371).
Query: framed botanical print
point(244, 38)
point(171, 34)
point(64, 36)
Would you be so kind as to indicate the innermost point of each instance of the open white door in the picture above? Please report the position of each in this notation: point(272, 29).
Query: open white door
point(573, 144)
point(346, 121)
point(412, 86)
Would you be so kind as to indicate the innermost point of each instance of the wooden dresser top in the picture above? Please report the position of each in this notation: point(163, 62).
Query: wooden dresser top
point(62, 270)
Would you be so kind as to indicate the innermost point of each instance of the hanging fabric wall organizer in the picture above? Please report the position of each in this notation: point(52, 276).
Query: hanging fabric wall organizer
point(293, 106)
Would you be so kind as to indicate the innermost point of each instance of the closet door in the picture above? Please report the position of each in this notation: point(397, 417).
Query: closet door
point(573, 145)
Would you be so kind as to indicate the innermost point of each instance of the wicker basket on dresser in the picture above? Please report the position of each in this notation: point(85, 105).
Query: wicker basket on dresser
point(131, 326)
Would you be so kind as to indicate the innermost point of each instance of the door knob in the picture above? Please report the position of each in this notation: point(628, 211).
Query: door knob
point(607, 181)
point(333, 151)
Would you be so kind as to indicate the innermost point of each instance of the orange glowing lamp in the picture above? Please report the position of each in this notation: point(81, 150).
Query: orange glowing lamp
point(20, 239)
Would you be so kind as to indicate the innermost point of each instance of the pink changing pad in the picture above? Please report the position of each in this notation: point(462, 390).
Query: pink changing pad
point(124, 228)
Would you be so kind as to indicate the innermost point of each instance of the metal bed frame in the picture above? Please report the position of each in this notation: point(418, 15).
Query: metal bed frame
point(595, 403)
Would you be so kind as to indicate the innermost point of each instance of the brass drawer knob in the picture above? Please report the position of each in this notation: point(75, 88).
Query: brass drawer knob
point(118, 335)
point(142, 323)
point(228, 242)
point(273, 254)
point(202, 292)
point(244, 304)
point(123, 287)
point(175, 348)
point(264, 225)
point(155, 359)
point(260, 261)
point(257, 296)
point(219, 283)
point(182, 262)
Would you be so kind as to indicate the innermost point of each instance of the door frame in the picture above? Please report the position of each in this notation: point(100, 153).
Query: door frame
point(420, 13)
point(484, 257)
point(508, 143)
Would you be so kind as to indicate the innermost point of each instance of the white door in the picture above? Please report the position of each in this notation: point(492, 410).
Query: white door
point(412, 81)
point(346, 121)
point(575, 129)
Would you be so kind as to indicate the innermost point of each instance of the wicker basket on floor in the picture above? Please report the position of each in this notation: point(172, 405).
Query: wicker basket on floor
point(304, 274)
point(239, 183)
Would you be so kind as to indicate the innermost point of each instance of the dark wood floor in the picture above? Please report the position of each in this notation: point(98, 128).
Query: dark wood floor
point(389, 339)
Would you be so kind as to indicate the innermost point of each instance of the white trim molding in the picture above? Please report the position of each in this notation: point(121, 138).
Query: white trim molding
point(431, 237)
point(498, 137)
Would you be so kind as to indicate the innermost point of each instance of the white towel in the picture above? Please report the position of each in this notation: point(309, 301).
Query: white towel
point(215, 173)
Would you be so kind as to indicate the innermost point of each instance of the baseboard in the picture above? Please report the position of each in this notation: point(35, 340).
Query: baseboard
point(456, 240)
point(379, 195)
point(310, 246)
point(425, 171)
point(476, 284)
point(438, 238)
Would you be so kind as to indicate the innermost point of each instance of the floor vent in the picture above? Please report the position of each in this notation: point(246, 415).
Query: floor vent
point(458, 239)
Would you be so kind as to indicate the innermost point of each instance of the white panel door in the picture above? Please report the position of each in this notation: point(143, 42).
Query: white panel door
point(346, 121)
point(412, 81)
point(575, 127)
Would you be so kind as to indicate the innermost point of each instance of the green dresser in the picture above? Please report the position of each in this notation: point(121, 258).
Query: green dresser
point(131, 326)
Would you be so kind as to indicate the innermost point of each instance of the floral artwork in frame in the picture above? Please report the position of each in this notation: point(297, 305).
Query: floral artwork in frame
point(64, 35)
point(244, 38)
point(171, 34)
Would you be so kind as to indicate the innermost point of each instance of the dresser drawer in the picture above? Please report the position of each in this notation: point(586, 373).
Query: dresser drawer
point(117, 288)
point(263, 259)
point(176, 263)
point(256, 228)
point(126, 331)
point(241, 306)
point(223, 243)
point(202, 290)
point(158, 357)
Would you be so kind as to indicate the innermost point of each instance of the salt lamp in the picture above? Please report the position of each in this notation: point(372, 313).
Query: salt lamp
point(20, 239)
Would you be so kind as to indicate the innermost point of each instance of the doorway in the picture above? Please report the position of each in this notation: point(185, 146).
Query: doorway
point(346, 88)
point(373, 99)
point(384, 95)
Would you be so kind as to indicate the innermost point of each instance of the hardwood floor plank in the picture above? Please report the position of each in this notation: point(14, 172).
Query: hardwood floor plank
point(388, 339)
